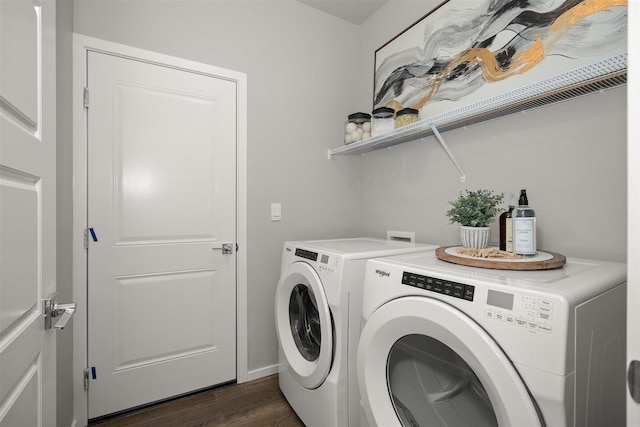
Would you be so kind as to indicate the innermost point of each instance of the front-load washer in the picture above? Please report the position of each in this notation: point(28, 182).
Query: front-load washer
point(450, 345)
point(318, 309)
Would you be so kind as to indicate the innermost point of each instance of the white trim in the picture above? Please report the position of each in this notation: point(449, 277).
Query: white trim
point(633, 207)
point(262, 372)
point(82, 44)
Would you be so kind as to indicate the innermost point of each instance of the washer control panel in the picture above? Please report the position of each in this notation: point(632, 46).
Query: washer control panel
point(325, 263)
point(526, 311)
point(440, 286)
point(313, 256)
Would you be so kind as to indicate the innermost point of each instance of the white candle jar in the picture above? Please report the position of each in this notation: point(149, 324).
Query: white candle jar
point(382, 121)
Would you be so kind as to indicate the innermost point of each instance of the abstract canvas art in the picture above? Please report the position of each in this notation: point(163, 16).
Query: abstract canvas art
point(465, 51)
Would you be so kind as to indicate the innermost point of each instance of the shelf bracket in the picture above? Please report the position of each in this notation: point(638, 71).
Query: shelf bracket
point(446, 149)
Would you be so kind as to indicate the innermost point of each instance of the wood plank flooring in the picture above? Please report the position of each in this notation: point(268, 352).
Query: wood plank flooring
point(255, 403)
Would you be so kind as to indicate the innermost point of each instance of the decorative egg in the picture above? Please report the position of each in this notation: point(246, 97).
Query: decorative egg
point(347, 139)
point(355, 136)
point(366, 126)
point(351, 127)
point(366, 135)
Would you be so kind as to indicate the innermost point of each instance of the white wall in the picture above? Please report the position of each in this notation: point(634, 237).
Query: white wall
point(301, 66)
point(571, 158)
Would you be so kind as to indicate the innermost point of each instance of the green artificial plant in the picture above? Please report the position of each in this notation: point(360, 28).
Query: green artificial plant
point(475, 208)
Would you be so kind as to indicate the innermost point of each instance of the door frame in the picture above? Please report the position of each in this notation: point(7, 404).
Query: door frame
point(81, 45)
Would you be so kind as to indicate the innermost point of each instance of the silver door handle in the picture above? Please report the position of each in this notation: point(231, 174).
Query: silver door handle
point(227, 248)
point(62, 312)
point(633, 380)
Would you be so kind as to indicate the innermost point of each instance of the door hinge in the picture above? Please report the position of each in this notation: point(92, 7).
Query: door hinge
point(85, 97)
point(86, 378)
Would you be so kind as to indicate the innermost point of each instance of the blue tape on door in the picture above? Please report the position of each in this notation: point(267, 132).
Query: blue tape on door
point(93, 372)
point(93, 235)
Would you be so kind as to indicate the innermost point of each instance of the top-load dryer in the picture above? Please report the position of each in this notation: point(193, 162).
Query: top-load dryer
point(446, 344)
point(318, 320)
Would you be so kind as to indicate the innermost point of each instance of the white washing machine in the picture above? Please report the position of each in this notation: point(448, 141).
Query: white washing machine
point(318, 321)
point(450, 345)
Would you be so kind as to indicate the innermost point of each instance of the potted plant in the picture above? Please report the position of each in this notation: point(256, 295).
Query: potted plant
point(474, 211)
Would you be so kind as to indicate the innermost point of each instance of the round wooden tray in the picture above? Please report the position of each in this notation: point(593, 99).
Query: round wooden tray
point(545, 260)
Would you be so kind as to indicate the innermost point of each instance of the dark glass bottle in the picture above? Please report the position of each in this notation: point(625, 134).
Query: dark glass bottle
point(506, 230)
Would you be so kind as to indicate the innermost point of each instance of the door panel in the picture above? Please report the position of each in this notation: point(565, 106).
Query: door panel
point(27, 212)
point(21, 411)
point(19, 27)
point(161, 200)
point(19, 263)
point(138, 338)
point(185, 206)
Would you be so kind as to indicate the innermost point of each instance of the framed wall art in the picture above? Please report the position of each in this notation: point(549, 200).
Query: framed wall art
point(465, 51)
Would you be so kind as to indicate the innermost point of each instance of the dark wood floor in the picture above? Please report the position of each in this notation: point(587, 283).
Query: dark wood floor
point(255, 403)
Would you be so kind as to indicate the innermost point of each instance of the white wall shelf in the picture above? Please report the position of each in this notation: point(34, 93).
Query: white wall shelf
point(592, 78)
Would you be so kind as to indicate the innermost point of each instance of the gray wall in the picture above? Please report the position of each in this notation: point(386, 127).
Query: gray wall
point(301, 66)
point(306, 71)
point(571, 158)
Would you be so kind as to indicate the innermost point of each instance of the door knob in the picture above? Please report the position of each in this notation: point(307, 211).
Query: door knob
point(227, 248)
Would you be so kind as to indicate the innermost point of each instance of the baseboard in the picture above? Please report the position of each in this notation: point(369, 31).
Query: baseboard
point(262, 372)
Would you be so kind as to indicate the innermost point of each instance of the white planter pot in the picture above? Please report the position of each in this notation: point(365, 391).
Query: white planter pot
point(475, 237)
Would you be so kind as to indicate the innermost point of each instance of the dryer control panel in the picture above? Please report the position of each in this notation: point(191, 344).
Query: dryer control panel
point(441, 286)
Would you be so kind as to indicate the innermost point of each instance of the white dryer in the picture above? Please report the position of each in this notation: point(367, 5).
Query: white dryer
point(450, 345)
point(318, 321)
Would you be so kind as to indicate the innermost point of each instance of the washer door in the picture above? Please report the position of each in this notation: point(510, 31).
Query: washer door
point(303, 324)
point(422, 362)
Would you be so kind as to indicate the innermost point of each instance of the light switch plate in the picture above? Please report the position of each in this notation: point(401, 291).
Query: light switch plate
point(276, 212)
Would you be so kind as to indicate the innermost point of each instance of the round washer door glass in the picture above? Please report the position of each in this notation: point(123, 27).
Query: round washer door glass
point(304, 320)
point(422, 362)
point(303, 324)
point(431, 385)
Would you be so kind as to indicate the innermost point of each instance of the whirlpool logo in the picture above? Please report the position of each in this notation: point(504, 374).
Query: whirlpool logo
point(382, 273)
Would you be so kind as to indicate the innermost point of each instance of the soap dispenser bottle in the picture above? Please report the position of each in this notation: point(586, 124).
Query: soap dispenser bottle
point(524, 227)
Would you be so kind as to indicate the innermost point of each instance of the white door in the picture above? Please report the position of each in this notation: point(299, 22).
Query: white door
point(27, 212)
point(423, 363)
point(161, 204)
